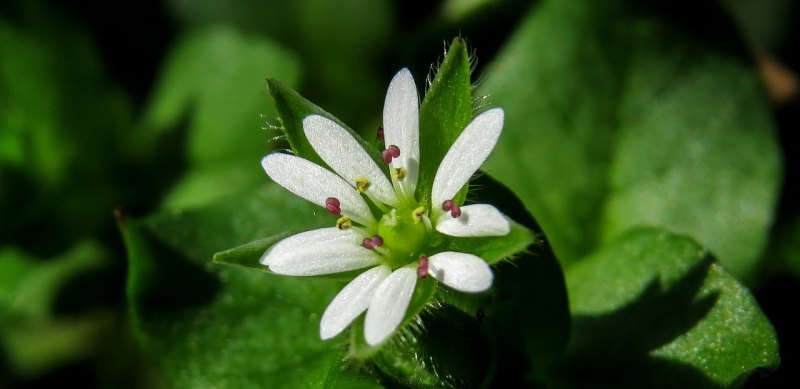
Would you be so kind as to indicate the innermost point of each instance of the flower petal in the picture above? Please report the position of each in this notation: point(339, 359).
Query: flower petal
point(401, 126)
point(351, 301)
point(343, 153)
point(475, 220)
point(318, 237)
point(315, 184)
point(466, 155)
point(389, 304)
point(460, 271)
point(318, 258)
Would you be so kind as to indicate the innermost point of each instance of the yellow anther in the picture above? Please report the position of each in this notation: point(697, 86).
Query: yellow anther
point(344, 223)
point(417, 214)
point(399, 173)
point(362, 184)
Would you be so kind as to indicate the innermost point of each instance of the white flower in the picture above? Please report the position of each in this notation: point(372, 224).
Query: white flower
point(394, 246)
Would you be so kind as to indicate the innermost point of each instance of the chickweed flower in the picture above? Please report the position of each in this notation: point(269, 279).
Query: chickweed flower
point(380, 225)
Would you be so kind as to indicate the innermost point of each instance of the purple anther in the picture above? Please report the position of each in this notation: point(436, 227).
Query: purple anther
point(333, 206)
point(377, 241)
point(368, 244)
point(422, 270)
point(450, 206)
point(390, 153)
point(386, 156)
point(394, 151)
point(447, 205)
point(379, 135)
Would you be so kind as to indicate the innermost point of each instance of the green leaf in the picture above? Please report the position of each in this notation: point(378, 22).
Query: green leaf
point(653, 308)
point(249, 254)
point(445, 349)
point(621, 114)
point(494, 248)
point(444, 113)
point(204, 324)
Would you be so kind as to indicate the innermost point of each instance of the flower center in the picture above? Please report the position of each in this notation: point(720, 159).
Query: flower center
point(404, 234)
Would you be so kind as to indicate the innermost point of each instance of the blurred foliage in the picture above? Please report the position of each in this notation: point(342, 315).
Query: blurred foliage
point(641, 137)
point(637, 133)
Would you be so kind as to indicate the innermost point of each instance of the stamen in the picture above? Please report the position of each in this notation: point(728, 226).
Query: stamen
point(371, 243)
point(399, 173)
point(417, 214)
point(480, 315)
point(386, 156)
point(362, 184)
point(333, 206)
point(422, 270)
point(368, 244)
point(390, 153)
point(377, 241)
point(394, 151)
point(379, 134)
point(450, 206)
point(344, 223)
point(447, 205)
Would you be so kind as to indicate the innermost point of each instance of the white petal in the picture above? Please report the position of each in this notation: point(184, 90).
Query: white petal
point(351, 301)
point(315, 184)
point(475, 220)
point(343, 153)
point(388, 306)
point(460, 271)
point(401, 126)
point(317, 259)
point(319, 237)
point(466, 155)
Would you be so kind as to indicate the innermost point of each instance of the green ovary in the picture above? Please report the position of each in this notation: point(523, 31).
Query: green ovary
point(404, 236)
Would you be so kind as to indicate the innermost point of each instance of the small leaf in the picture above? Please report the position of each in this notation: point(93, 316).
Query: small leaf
point(494, 248)
point(444, 113)
point(653, 308)
point(249, 254)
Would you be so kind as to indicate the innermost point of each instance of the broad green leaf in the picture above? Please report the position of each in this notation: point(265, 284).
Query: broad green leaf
point(445, 348)
point(619, 114)
point(654, 309)
point(528, 313)
point(444, 113)
point(213, 83)
point(210, 325)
